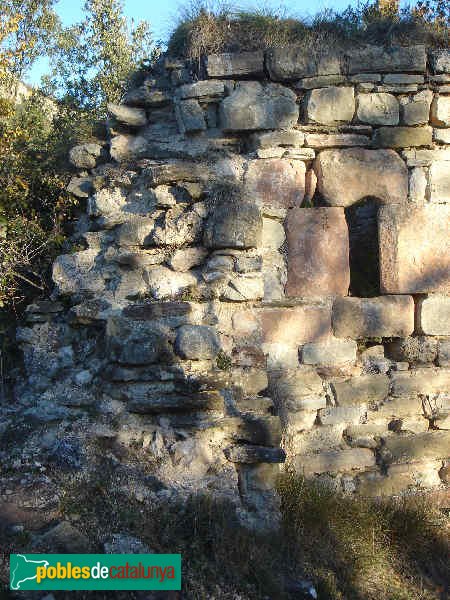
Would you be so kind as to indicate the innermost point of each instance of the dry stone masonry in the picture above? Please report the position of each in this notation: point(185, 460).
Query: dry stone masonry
point(213, 311)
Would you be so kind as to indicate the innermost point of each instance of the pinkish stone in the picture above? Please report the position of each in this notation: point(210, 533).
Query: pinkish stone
point(297, 325)
point(414, 249)
point(276, 182)
point(318, 252)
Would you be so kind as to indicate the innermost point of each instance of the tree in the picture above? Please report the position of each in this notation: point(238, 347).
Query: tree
point(34, 22)
point(94, 59)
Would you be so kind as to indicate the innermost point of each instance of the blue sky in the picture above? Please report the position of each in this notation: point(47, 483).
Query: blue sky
point(162, 14)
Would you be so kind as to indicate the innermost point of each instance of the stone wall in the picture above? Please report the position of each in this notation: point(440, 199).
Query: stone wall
point(205, 316)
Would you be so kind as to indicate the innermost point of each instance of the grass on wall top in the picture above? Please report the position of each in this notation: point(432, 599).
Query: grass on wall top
point(204, 29)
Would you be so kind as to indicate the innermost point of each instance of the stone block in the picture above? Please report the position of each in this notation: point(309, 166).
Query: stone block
point(414, 249)
point(355, 459)
point(190, 116)
point(415, 110)
point(143, 399)
point(252, 106)
point(78, 273)
point(399, 479)
point(349, 415)
point(444, 353)
point(163, 283)
point(184, 259)
point(402, 79)
point(293, 62)
point(318, 252)
point(272, 139)
point(208, 88)
point(135, 232)
point(273, 235)
point(81, 187)
point(424, 381)
point(403, 137)
point(297, 390)
point(366, 389)
point(106, 201)
point(233, 225)
point(336, 140)
point(318, 439)
point(332, 353)
point(330, 105)
point(417, 184)
point(431, 445)
point(295, 326)
point(378, 109)
point(383, 316)
point(442, 136)
point(85, 156)
point(133, 117)
point(349, 175)
point(235, 64)
point(309, 83)
point(126, 147)
point(387, 59)
point(275, 182)
point(197, 342)
point(440, 111)
point(433, 315)
point(440, 181)
point(440, 60)
point(254, 454)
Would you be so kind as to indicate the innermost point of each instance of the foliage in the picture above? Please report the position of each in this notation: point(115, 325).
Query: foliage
point(94, 59)
point(34, 23)
point(206, 28)
point(33, 201)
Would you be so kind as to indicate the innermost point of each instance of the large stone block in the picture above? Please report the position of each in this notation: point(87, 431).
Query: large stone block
point(440, 181)
point(414, 249)
point(378, 109)
point(368, 389)
point(197, 342)
point(133, 117)
point(297, 390)
point(424, 381)
point(252, 106)
point(430, 445)
point(85, 156)
point(235, 64)
point(332, 353)
point(440, 61)
point(400, 478)
point(275, 182)
point(440, 111)
point(295, 326)
point(318, 252)
point(330, 105)
point(433, 315)
point(233, 225)
point(387, 59)
point(355, 459)
point(403, 137)
point(190, 116)
point(347, 176)
point(384, 316)
point(415, 110)
point(294, 62)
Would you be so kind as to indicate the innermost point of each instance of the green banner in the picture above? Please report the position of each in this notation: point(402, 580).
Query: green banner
point(95, 571)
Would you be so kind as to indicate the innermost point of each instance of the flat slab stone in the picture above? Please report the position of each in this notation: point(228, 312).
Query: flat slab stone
point(383, 316)
point(332, 353)
point(430, 445)
point(349, 175)
point(421, 381)
point(235, 64)
point(318, 252)
point(403, 137)
point(293, 62)
point(394, 59)
point(361, 390)
point(414, 249)
point(295, 326)
point(276, 182)
point(355, 459)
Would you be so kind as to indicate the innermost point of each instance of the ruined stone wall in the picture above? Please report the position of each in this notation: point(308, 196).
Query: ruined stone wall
point(215, 315)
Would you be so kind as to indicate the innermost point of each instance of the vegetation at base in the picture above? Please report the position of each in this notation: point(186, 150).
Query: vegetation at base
point(348, 548)
point(207, 28)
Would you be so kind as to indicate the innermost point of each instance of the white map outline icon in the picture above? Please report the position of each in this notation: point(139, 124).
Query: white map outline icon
point(37, 562)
